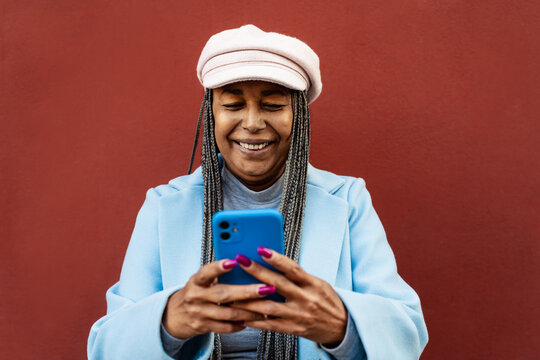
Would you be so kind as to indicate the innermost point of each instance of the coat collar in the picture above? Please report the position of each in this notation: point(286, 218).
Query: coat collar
point(321, 179)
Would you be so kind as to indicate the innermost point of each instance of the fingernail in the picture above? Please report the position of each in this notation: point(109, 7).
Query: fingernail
point(229, 264)
point(243, 260)
point(264, 252)
point(267, 290)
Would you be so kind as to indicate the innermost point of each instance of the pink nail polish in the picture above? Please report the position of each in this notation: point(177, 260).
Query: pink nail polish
point(267, 290)
point(243, 260)
point(229, 264)
point(264, 252)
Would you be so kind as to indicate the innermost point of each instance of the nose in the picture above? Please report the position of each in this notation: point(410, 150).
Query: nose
point(253, 120)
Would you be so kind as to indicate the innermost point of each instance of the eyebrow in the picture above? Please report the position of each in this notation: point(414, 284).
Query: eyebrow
point(264, 93)
point(233, 91)
point(273, 92)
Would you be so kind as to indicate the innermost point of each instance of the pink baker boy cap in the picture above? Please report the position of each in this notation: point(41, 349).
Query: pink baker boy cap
point(248, 53)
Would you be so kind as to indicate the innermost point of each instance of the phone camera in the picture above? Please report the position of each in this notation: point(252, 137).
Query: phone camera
point(224, 225)
point(225, 235)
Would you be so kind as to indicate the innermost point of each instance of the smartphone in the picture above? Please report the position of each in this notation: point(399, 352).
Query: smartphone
point(242, 232)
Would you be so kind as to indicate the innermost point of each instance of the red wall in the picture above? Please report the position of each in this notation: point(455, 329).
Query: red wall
point(435, 103)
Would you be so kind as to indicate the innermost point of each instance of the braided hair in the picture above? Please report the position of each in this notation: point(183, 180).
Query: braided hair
point(271, 345)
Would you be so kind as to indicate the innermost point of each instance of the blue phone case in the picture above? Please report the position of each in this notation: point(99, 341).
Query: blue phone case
point(242, 232)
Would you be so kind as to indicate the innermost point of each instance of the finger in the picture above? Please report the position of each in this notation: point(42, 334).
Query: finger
point(209, 272)
point(223, 293)
point(283, 285)
point(227, 313)
point(290, 268)
point(267, 308)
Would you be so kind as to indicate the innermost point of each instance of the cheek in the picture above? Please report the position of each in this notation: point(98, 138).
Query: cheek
point(221, 129)
point(285, 129)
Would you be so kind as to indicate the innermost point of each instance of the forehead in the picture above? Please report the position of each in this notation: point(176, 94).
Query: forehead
point(254, 87)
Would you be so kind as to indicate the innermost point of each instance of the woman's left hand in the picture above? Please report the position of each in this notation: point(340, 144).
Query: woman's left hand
point(313, 309)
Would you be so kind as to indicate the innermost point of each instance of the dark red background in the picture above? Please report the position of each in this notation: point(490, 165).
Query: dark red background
point(434, 103)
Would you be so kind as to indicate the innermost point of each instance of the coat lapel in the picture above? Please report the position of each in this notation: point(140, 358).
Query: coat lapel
point(180, 230)
point(325, 223)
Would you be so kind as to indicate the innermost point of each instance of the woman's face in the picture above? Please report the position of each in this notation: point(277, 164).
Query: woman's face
point(253, 122)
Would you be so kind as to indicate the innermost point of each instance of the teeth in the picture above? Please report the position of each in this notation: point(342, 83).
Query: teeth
point(253, 146)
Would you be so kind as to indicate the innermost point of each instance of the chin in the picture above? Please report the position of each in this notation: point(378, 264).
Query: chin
point(254, 175)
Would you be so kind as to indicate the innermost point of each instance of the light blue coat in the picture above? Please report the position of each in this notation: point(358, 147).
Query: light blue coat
point(343, 242)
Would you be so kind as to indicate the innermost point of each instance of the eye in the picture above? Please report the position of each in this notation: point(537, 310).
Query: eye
point(233, 106)
point(273, 107)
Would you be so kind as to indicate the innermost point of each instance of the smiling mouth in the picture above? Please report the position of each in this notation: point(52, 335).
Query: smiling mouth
point(253, 146)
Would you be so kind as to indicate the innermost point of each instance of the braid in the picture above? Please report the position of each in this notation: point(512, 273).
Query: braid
point(271, 345)
point(213, 193)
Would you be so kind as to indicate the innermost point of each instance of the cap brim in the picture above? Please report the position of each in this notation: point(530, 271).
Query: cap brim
point(276, 74)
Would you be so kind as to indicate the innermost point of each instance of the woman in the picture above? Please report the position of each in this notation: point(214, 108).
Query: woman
point(345, 299)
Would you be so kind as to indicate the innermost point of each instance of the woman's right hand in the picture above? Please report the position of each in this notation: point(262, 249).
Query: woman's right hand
point(195, 309)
